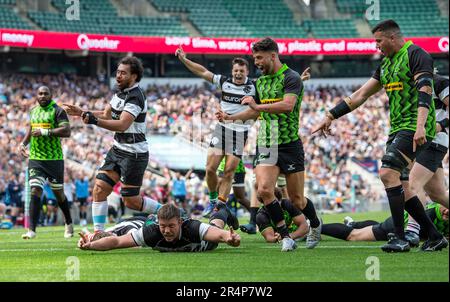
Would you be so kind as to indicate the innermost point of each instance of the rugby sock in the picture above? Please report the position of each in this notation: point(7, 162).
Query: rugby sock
point(413, 226)
point(149, 205)
point(276, 215)
point(13, 219)
point(253, 212)
point(336, 230)
point(415, 208)
point(311, 214)
point(396, 197)
point(66, 210)
point(35, 207)
point(99, 213)
point(213, 197)
point(363, 224)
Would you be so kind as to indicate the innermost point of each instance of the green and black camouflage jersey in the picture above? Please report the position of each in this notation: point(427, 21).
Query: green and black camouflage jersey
point(50, 117)
point(396, 75)
point(432, 211)
point(279, 128)
point(289, 212)
point(239, 169)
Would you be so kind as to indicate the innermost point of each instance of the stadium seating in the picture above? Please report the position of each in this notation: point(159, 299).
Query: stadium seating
point(418, 18)
point(232, 18)
point(9, 18)
point(101, 17)
point(329, 28)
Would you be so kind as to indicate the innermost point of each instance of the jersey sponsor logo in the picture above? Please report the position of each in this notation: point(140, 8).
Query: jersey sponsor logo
point(231, 99)
point(393, 86)
point(270, 101)
point(40, 126)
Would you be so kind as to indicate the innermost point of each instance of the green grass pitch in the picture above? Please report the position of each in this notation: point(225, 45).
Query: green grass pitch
point(46, 259)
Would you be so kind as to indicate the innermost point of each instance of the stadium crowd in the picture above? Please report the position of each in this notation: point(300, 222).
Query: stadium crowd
point(189, 111)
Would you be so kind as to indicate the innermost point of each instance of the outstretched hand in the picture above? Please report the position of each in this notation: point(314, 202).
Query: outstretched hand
point(323, 127)
point(72, 110)
point(234, 239)
point(84, 242)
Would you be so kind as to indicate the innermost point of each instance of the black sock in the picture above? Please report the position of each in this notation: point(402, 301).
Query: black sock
point(396, 197)
point(66, 210)
point(363, 224)
point(13, 220)
point(310, 213)
point(283, 231)
point(253, 212)
point(276, 215)
point(415, 208)
point(336, 230)
point(35, 208)
point(84, 215)
point(81, 215)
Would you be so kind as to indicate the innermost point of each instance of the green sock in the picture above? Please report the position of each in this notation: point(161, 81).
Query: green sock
point(213, 196)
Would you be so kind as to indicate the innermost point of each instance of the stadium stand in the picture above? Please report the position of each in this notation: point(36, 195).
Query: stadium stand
point(418, 18)
point(9, 18)
point(232, 18)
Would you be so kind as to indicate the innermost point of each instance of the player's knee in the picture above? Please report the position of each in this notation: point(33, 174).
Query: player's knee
point(265, 193)
point(228, 173)
point(210, 170)
point(99, 192)
point(388, 176)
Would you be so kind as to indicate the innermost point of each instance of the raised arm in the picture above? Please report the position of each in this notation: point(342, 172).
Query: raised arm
point(195, 68)
point(349, 104)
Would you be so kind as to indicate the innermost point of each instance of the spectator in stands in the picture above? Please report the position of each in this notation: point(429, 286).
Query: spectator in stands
point(81, 196)
point(14, 191)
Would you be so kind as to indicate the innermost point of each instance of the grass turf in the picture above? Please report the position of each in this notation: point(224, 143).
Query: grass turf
point(44, 259)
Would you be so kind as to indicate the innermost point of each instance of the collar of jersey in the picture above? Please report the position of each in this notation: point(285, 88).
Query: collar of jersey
point(52, 102)
point(403, 49)
point(280, 71)
point(129, 88)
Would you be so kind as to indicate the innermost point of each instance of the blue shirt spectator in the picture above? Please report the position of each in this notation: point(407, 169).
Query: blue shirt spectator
point(82, 188)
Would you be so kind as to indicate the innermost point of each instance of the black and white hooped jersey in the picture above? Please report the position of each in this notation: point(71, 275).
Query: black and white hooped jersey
point(232, 94)
point(133, 101)
point(127, 225)
point(190, 240)
point(440, 92)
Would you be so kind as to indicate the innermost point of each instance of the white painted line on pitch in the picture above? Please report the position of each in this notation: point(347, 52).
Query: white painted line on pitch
point(329, 247)
point(33, 250)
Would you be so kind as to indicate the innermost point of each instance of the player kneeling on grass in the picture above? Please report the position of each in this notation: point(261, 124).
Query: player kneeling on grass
point(172, 234)
point(370, 230)
point(294, 218)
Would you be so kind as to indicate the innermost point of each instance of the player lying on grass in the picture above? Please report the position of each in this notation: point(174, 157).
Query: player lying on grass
point(172, 234)
point(295, 221)
point(370, 230)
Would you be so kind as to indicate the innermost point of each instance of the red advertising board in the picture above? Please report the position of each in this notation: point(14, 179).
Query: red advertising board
point(199, 45)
